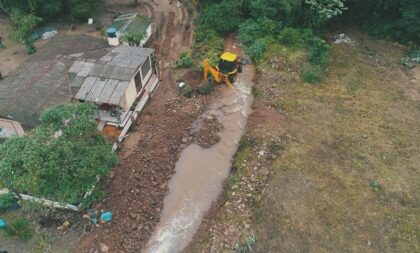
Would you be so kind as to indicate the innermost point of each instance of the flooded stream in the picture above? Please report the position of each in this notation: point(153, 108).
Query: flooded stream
point(200, 172)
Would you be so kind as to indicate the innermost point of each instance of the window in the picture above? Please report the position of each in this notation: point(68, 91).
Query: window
point(137, 81)
point(145, 68)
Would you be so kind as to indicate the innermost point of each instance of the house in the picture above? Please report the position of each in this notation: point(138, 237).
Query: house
point(118, 80)
point(119, 83)
point(42, 81)
point(129, 24)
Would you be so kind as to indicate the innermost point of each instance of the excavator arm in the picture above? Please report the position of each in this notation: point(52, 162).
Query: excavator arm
point(208, 68)
point(216, 74)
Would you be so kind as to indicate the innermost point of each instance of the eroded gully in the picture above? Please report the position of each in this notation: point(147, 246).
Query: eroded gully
point(200, 172)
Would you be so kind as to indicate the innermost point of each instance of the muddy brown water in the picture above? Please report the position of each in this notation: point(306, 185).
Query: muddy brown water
point(200, 172)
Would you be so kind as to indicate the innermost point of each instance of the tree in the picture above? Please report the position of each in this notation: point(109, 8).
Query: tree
point(223, 17)
point(59, 160)
point(22, 25)
point(327, 9)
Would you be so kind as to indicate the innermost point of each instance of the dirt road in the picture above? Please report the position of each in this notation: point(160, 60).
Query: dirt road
point(138, 185)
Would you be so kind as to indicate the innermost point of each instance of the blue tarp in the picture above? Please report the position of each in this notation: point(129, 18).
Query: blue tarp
point(37, 34)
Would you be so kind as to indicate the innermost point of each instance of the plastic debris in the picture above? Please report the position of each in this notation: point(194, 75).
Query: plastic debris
point(49, 35)
point(43, 33)
point(342, 39)
point(64, 226)
point(58, 134)
point(106, 216)
point(92, 216)
point(3, 224)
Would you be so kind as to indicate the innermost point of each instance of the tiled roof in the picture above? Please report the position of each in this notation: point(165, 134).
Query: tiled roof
point(42, 81)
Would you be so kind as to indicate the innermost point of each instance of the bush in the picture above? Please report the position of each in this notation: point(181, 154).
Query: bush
point(319, 52)
point(30, 47)
point(213, 58)
point(67, 146)
point(22, 25)
point(20, 228)
point(251, 30)
point(207, 41)
point(133, 39)
point(81, 9)
point(224, 17)
point(257, 50)
point(312, 74)
point(291, 37)
point(186, 90)
point(185, 60)
point(7, 200)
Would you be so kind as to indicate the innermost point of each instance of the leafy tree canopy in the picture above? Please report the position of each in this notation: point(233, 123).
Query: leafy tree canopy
point(60, 159)
point(75, 9)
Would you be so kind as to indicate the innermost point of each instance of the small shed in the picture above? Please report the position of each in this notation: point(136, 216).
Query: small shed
point(10, 128)
point(133, 23)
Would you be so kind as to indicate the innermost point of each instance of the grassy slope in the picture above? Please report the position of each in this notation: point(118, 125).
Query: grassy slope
point(314, 195)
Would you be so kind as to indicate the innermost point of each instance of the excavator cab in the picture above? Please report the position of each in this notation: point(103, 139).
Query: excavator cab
point(228, 63)
point(227, 69)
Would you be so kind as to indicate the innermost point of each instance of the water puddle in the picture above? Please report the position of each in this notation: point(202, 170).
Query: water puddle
point(200, 172)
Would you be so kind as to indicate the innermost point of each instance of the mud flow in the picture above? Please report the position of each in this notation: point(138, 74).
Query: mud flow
point(200, 172)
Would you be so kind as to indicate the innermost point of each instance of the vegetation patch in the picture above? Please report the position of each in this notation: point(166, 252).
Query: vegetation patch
point(59, 160)
point(20, 228)
point(185, 60)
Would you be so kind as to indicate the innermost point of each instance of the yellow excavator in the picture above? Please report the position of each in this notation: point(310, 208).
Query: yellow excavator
point(226, 71)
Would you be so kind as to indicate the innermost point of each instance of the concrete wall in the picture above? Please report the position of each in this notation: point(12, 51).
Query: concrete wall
point(147, 35)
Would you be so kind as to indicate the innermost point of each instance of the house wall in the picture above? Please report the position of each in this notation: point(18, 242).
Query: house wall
point(147, 35)
point(148, 74)
point(131, 93)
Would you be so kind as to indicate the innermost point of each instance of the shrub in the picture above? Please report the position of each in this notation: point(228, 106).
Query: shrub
point(185, 60)
point(224, 17)
point(207, 40)
point(319, 52)
point(81, 9)
point(67, 146)
point(257, 50)
point(311, 74)
point(133, 39)
point(22, 25)
point(30, 47)
point(251, 30)
point(291, 37)
point(42, 243)
point(20, 228)
point(7, 201)
point(186, 90)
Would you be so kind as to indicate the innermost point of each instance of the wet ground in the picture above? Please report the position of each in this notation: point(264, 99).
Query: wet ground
point(201, 172)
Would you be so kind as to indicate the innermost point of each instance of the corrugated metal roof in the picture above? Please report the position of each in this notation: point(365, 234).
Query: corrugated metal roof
point(108, 91)
point(118, 93)
point(106, 80)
